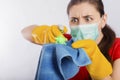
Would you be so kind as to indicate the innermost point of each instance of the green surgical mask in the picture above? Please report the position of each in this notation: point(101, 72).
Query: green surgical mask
point(86, 31)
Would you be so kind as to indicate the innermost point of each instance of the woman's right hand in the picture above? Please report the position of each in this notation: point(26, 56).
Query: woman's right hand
point(43, 34)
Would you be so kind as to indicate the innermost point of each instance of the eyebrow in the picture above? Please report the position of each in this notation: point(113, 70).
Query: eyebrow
point(82, 16)
point(87, 16)
point(74, 18)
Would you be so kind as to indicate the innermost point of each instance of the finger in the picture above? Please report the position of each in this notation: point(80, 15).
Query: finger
point(51, 37)
point(65, 29)
point(55, 31)
point(62, 28)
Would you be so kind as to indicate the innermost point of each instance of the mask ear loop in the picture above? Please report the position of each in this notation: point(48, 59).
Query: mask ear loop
point(101, 22)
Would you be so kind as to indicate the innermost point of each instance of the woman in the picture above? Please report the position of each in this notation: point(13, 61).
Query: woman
point(86, 13)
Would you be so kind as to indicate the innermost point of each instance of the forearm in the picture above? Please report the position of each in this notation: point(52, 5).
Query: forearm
point(27, 32)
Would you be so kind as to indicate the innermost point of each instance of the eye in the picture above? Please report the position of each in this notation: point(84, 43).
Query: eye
point(88, 19)
point(74, 21)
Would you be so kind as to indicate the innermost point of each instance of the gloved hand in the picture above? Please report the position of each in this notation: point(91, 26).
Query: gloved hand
point(100, 66)
point(47, 34)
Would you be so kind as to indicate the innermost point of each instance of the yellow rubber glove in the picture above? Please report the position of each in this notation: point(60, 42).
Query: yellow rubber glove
point(100, 66)
point(44, 34)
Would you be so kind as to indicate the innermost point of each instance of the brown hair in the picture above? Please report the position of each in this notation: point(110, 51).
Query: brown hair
point(109, 34)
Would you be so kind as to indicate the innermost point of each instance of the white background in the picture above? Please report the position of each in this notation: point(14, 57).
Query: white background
point(18, 57)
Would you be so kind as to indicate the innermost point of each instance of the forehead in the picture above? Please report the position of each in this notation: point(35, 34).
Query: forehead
point(83, 9)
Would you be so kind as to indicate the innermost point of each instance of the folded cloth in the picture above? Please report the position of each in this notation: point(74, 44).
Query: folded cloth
point(60, 62)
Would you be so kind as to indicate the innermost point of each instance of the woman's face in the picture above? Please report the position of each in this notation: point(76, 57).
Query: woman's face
point(85, 13)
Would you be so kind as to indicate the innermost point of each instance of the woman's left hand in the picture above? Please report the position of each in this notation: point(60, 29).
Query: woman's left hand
point(100, 66)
